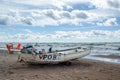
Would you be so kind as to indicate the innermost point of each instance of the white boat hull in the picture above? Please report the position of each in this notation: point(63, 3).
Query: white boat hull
point(55, 57)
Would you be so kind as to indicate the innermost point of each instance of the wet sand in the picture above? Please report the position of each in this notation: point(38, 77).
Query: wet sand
point(112, 56)
point(82, 69)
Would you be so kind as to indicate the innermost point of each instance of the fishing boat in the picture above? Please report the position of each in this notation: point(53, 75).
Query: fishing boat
point(58, 56)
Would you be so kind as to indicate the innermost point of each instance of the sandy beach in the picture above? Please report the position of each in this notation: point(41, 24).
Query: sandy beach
point(82, 69)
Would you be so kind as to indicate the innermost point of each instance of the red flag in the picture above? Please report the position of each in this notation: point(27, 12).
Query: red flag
point(18, 46)
point(8, 47)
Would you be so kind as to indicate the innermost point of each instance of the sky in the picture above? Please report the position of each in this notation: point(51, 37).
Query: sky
point(59, 20)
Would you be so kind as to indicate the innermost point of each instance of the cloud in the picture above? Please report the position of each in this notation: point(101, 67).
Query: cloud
point(79, 14)
point(63, 36)
point(51, 14)
point(44, 17)
point(99, 4)
point(3, 21)
point(62, 4)
point(114, 3)
point(66, 14)
point(56, 17)
point(6, 20)
point(55, 13)
point(106, 4)
point(109, 22)
point(42, 4)
point(27, 30)
point(28, 21)
point(11, 20)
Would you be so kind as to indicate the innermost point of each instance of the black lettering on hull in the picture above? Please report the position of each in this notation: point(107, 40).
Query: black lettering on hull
point(54, 57)
point(40, 56)
point(44, 56)
point(49, 57)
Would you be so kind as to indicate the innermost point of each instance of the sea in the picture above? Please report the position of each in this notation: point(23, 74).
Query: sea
point(98, 48)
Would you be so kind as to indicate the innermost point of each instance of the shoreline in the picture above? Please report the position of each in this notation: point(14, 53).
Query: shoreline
point(111, 56)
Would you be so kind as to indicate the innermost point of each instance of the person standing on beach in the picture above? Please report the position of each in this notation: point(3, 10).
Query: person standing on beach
point(50, 49)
